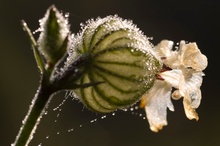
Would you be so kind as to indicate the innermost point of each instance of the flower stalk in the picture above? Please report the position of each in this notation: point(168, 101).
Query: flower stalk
point(34, 115)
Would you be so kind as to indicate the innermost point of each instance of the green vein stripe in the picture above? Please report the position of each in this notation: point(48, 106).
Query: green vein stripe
point(96, 34)
point(116, 101)
point(83, 46)
point(98, 102)
point(120, 63)
point(125, 70)
point(112, 49)
point(101, 32)
point(91, 103)
point(84, 99)
point(113, 100)
point(109, 38)
point(115, 74)
point(114, 86)
point(105, 100)
point(86, 38)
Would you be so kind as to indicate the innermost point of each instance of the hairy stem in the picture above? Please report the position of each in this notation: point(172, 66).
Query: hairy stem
point(33, 117)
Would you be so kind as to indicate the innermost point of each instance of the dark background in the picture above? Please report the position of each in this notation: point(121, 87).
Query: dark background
point(191, 20)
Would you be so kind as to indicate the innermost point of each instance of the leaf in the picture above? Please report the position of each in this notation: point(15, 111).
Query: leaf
point(38, 56)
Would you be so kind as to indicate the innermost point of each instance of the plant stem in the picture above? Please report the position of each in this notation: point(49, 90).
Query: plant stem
point(34, 115)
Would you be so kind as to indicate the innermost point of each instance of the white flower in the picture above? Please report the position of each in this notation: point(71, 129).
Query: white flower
point(182, 71)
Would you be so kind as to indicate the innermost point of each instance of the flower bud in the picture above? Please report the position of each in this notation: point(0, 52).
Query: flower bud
point(54, 29)
point(121, 57)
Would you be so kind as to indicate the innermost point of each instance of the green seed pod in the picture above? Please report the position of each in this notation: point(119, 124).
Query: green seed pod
point(121, 57)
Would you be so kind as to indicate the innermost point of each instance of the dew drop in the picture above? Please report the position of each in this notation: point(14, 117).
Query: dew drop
point(66, 15)
point(82, 24)
point(70, 130)
point(150, 38)
point(136, 107)
point(125, 110)
point(92, 121)
point(38, 30)
point(59, 106)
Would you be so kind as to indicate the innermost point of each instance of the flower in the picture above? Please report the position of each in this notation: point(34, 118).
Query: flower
point(182, 71)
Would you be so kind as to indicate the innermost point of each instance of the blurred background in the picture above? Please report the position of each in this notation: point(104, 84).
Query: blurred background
point(190, 20)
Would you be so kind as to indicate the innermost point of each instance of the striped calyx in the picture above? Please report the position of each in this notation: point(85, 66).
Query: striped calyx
point(121, 57)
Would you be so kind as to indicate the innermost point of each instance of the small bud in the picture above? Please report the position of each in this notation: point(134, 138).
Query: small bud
point(54, 29)
point(121, 57)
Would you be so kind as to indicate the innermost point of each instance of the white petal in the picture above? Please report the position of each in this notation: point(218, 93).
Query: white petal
point(174, 77)
point(157, 102)
point(189, 111)
point(172, 61)
point(191, 56)
point(169, 57)
point(191, 89)
point(164, 48)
